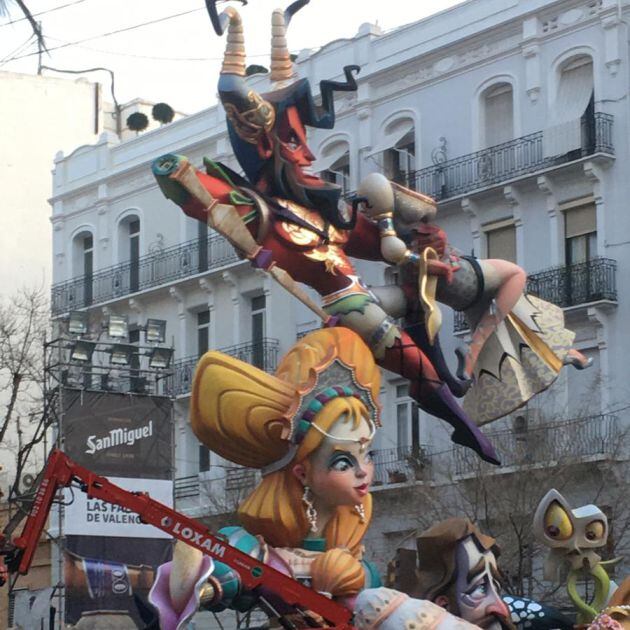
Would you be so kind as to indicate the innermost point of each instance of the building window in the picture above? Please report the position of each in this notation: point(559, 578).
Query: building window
point(339, 173)
point(204, 458)
point(501, 243)
point(399, 162)
point(580, 233)
point(498, 114)
point(88, 269)
point(203, 332)
point(571, 120)
point(134, 255)
point(258, 306)
point(404, 418)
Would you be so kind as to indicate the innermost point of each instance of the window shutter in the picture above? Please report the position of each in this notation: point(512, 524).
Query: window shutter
point(501, 243)
point(579, 221)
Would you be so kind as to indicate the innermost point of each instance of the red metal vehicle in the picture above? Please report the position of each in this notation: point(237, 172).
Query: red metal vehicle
point(16, 554)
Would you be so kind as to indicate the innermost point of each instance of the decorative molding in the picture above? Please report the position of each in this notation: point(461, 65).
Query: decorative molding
point(554, 23)
point(176, 294)
point(531, 54)
point(416, 72)
point(80, 202)
point(136, 305)
point(612, 42)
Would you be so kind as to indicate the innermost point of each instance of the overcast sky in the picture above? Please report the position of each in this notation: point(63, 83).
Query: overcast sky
point(176, 59)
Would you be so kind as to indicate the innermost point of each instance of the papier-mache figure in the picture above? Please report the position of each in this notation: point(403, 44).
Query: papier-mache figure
point(518, 342)
point(573, 535)
point(294, 224)
point(456, 566)
point(308, 429)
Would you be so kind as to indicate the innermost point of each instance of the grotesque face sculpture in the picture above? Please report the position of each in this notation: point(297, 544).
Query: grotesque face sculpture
point(477, 587)
point(457, 569)
point(558, 526)
point(571, 534)
point(287, 173)
point(268, 132)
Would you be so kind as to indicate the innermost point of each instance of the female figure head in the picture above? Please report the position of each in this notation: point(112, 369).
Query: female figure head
point(310, 425)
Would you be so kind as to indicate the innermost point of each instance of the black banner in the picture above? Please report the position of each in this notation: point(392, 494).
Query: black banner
point(119, 435)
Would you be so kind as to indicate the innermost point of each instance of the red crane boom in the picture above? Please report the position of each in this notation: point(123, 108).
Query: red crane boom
point(61, 472)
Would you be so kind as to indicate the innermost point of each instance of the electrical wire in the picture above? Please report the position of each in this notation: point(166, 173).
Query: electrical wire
point(63, 6)
point(110, 33)
point(152, 57)
point(17, 51)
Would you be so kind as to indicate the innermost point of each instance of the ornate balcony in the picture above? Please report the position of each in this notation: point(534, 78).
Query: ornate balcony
point(401, 465)
point(581, 283)
point(586, 282)
point(503, 162)
point(572, 441)
point(152, 270)
point(262, 354)
point(391, 466)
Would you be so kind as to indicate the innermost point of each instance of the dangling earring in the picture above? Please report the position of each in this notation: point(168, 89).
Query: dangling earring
point(360, 510)
point(311, 512)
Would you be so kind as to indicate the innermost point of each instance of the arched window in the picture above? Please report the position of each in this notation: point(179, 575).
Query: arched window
point(571, 119)
point(397, 150)
point(497, 104)
point(83, 265)
point(334, 165)
point(129, 249)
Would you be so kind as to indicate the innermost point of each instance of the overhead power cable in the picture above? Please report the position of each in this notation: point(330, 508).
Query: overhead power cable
point(120, 30)
point(63, 6)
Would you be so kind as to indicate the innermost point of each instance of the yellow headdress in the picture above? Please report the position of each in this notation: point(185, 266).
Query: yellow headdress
point(258, 420)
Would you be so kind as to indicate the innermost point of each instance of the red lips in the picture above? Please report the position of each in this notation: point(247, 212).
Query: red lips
point(362, 489)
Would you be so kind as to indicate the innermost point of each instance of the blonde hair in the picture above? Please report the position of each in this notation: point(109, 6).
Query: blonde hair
point(246, 415)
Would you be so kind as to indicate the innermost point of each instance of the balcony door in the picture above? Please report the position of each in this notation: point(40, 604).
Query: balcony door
point(134, 255)
point(580, 248)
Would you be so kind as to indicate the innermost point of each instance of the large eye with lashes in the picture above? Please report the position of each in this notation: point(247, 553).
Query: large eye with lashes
point(341, 464)
point(368, 458)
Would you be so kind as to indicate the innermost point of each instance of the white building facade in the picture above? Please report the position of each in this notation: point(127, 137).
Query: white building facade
point(514, 115)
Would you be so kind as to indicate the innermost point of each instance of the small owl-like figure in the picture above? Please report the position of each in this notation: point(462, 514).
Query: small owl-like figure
point(572, 534)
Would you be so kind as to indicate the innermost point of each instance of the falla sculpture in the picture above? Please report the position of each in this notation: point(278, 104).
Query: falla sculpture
point(308, 429)
point(296, 226)
point(573, 537)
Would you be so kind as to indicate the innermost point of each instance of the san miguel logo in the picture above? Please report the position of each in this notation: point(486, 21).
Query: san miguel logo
point(118, 437)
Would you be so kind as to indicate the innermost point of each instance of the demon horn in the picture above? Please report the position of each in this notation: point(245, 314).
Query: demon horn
point(234, 56)
point(281, 64)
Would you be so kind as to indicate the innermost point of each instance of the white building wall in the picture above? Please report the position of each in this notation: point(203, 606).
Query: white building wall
point(41, 115)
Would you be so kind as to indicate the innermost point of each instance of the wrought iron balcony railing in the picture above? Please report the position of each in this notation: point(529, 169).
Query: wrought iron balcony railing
point(566, 442)
point(402, 464)
point(569, 285)
point(167, 265)
point(506, 161)
point(263, 354)
point(580, 283)
point(392, 465)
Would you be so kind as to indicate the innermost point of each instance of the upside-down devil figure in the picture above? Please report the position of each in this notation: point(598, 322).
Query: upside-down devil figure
point(281, 216)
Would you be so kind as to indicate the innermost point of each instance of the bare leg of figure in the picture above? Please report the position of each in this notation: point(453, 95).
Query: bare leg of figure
point(577, 359)
point(511, 285)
